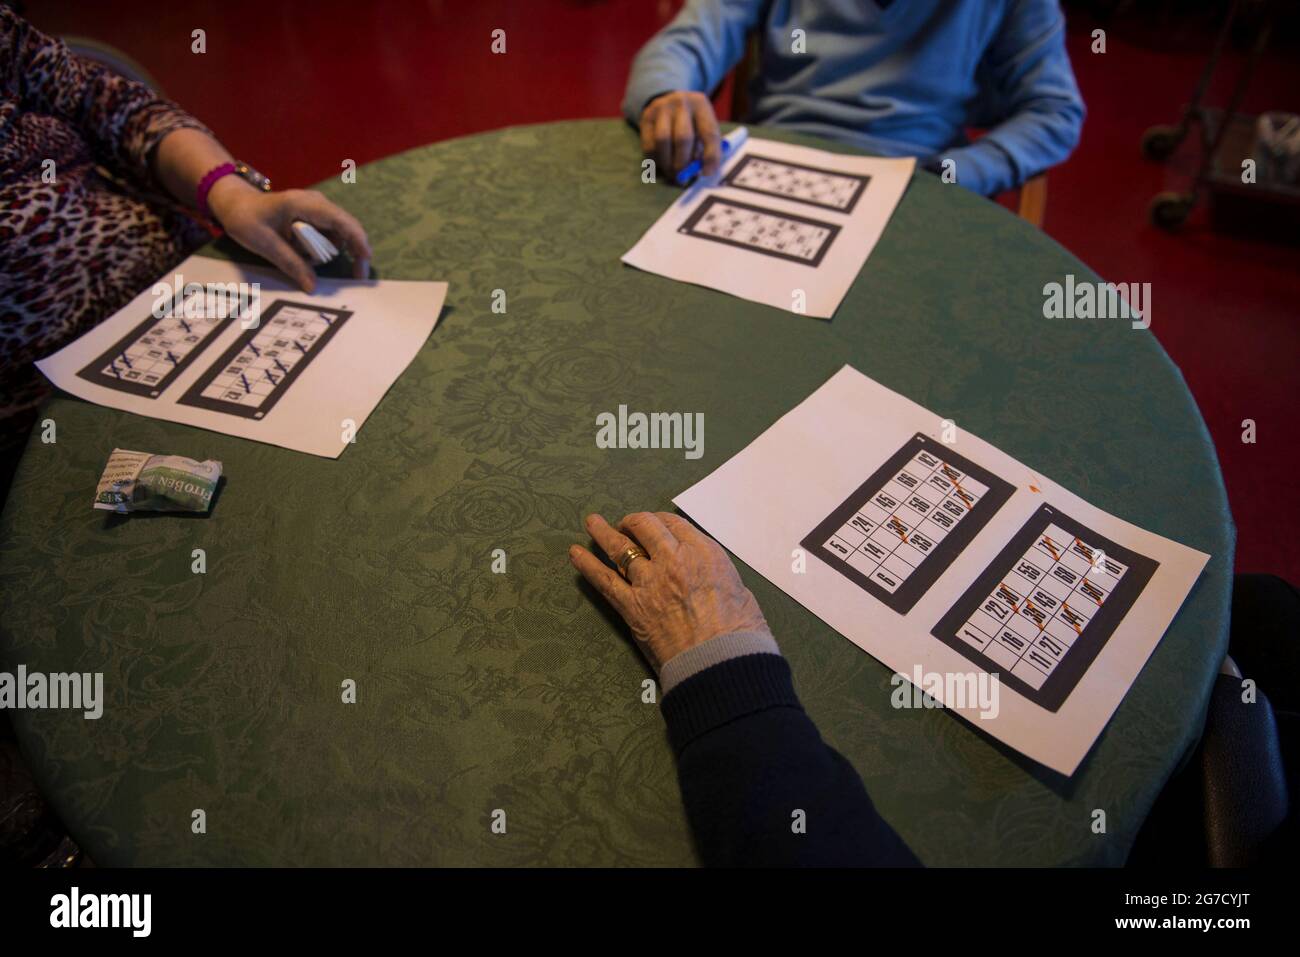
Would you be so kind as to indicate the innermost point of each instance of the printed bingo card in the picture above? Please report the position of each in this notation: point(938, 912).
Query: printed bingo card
point(829, 189)
point(239, 350)
point(795, 239)
point(905, 525)
point(261, 365)
point(1043, 609)
point(149, 358)
point(949, 566)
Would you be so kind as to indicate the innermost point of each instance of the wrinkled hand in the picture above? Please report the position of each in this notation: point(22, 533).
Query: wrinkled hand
point(262, 223)
point(676, 127)
point(686, 592)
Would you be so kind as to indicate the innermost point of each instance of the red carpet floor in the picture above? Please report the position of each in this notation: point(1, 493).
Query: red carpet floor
point(294, 87)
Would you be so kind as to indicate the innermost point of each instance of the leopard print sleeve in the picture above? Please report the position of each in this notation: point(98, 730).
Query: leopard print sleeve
point(120, 120)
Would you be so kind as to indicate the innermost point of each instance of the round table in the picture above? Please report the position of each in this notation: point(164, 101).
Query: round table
point(480, 691)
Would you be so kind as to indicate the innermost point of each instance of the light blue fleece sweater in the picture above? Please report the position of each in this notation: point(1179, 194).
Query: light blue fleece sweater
point(898, 79)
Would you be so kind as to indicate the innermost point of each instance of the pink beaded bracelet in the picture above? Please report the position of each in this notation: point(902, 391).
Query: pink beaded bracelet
point(205, 186)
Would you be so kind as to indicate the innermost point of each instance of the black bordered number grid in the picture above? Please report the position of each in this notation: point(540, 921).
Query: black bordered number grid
point(826, 188)
point(148, 359)
point(260, 366)
point(905, 525)
point(795, 239)
point(1045, 607)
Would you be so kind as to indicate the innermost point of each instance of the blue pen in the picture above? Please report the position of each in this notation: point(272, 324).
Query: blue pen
point(730, 143)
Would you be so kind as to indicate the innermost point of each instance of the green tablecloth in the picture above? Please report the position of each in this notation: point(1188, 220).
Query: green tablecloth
point(518, 691)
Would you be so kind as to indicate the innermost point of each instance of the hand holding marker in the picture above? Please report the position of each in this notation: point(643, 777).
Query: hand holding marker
point(730, 143)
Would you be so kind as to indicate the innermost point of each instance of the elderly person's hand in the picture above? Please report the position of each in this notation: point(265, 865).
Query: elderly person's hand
point(262, 223)
point(684, 592)
point(678, 127)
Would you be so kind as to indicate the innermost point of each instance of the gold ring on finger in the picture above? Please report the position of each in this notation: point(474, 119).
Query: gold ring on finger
point(628, 556)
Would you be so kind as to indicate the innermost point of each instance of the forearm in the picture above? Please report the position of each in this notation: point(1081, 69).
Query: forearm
point(694, 52)
point(759, 784)
point(181, 160)
point(1032, 103)
point(1015, 151)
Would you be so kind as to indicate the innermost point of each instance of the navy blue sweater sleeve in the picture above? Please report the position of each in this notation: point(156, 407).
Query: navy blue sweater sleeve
point(760, 786)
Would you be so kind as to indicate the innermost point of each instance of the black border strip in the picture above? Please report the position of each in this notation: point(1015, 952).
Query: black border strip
point(194, 396)
point(92, 374)
point(944, 554)
point(688, 228)
point(1095, 634)
point(862, 181)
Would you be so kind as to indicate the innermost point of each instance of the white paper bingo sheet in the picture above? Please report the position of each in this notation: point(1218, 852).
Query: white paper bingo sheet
point(788, 226)
point(956, 559)
point(302, 373)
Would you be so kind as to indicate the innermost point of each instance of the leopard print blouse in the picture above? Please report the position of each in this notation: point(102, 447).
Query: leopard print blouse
point(79, 234)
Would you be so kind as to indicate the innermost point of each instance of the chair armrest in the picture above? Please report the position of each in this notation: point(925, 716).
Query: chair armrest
point(1032, 205)
point(1246, 799)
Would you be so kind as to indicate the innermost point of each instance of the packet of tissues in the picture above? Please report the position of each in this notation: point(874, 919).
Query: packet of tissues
point(143, 482)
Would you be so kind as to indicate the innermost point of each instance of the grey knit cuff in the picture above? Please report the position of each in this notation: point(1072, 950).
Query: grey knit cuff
point(713, 652)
